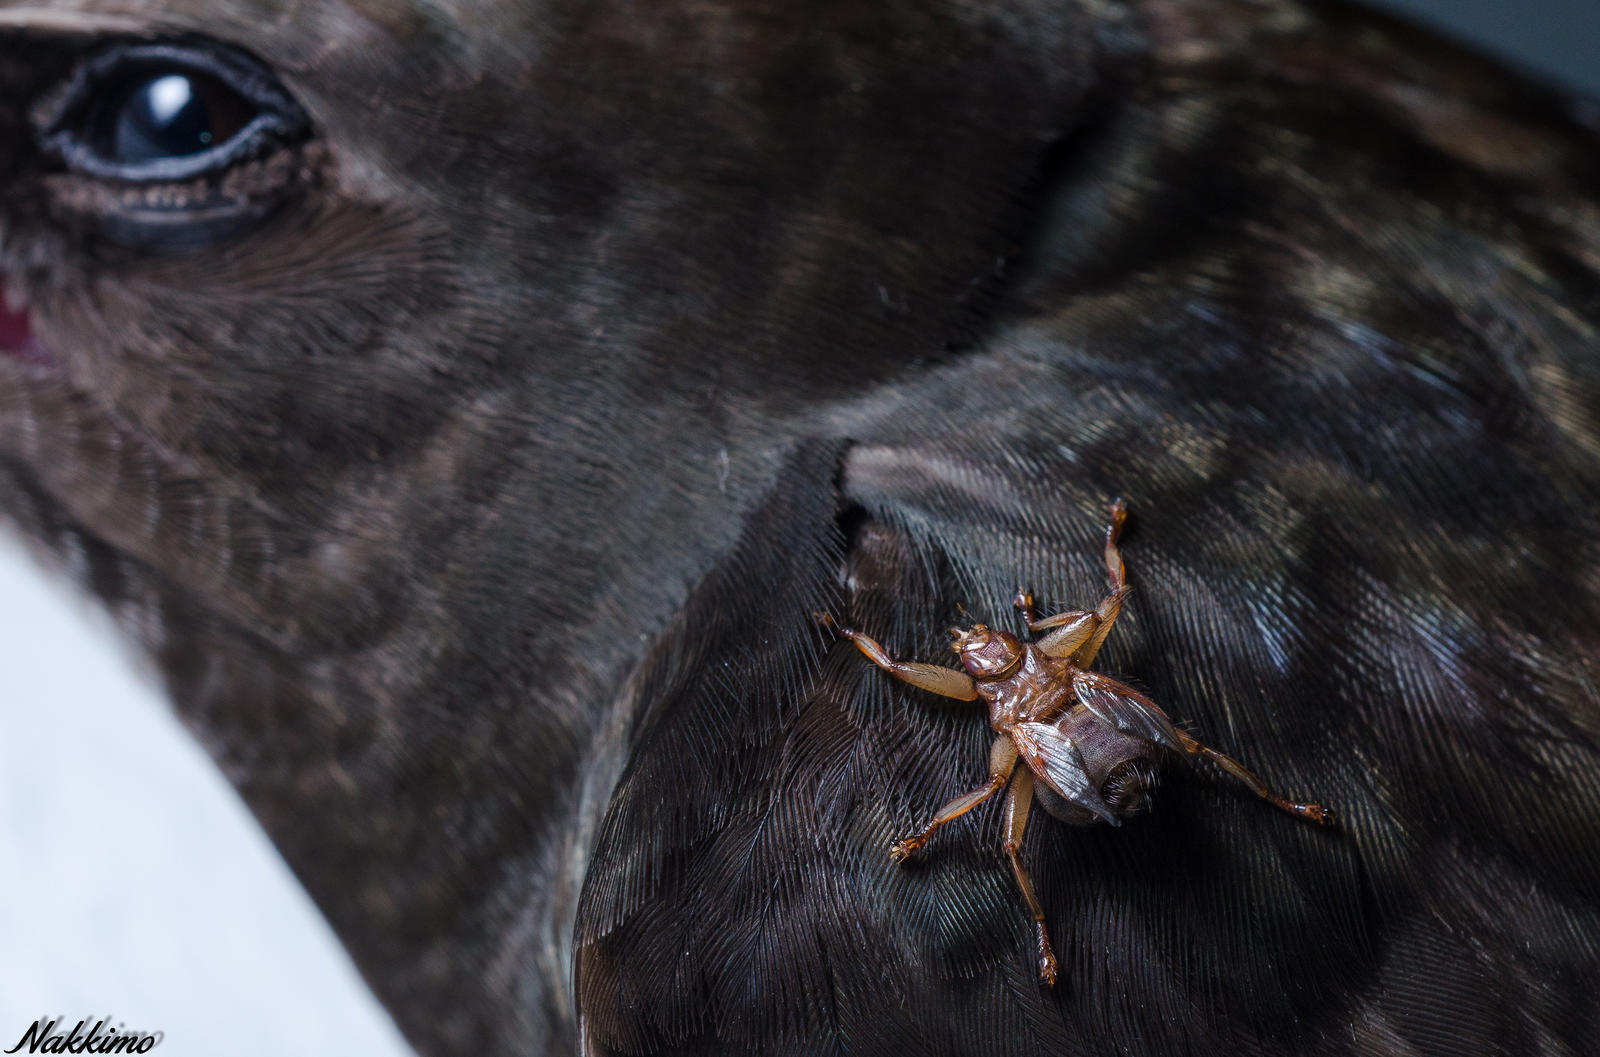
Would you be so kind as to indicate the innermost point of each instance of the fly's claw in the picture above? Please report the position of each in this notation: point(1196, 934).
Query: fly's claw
point(1322, 816)
point(1047, 959)
point(903, 849)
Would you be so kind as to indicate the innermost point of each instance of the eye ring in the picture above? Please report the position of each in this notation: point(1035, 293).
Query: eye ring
point(278, 120)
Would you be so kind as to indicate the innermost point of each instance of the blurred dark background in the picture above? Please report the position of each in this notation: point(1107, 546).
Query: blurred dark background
point(1558, 40)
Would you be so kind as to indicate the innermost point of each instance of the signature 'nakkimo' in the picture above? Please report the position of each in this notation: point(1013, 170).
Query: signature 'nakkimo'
point(1093, 744)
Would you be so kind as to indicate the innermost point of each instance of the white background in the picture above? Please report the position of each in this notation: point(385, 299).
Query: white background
point(132, 880)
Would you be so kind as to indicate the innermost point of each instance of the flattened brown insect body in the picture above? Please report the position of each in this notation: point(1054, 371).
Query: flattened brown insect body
point(1033, 686)
point(1092, 746)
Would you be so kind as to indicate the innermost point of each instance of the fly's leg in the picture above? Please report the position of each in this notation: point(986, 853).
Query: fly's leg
point(946, 682)
point(1079, 633)
point(1111, 605)
point(1018, 801)
point(1002, 761)
point(1076, 625)
point(1314, 812)
point(1116, 571)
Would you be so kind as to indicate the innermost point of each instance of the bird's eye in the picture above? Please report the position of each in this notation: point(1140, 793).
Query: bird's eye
point(167, 114)
point(168, 111)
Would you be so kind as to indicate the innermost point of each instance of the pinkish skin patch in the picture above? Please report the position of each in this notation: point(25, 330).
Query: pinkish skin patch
point(17, 337)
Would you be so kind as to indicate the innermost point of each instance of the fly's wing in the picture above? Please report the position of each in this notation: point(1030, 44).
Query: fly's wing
point(1056, 761)
point(1126, 709)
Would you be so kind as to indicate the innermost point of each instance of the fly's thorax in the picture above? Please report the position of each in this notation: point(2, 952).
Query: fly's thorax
point(1036, 685)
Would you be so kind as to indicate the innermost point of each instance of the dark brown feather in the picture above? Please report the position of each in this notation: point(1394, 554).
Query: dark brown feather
point(474, 478)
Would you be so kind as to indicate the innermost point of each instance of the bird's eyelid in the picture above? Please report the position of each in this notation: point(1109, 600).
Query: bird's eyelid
point(85, 23)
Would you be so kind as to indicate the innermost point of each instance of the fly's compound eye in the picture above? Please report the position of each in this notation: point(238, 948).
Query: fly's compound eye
point(172, 145)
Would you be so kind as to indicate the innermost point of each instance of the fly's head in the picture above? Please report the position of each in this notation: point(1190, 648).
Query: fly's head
point(985, 652)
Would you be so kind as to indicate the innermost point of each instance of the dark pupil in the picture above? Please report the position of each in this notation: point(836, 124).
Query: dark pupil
point(170, 115)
